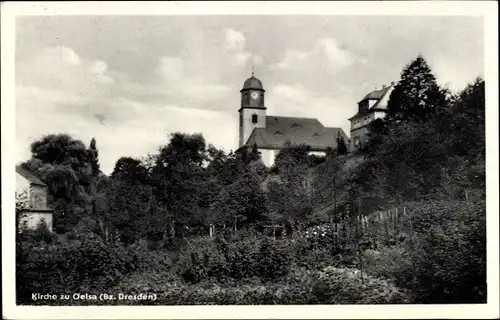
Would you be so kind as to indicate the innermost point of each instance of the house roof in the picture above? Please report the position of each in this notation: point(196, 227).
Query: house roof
point(296, 131)
point(378, 95)
point(28, 175)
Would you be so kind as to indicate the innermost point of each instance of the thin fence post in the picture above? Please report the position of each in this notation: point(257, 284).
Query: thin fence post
point(395, 218)
point(387, 227)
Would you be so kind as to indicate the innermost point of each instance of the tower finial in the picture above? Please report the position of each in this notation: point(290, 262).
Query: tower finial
point(253, 69)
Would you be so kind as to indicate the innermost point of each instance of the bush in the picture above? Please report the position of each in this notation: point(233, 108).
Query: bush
point(448, 252)
point(442, 256)
point(77, 266)
point(351, 286)
point(145, 259)
point(274, 258)
point(200, 259)
point(238, 259)
point(389, 263)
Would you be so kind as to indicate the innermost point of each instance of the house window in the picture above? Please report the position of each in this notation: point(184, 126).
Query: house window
point(356, 141)
point(254, 118)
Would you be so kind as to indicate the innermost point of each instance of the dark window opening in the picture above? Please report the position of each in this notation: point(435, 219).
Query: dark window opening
point(254, 118)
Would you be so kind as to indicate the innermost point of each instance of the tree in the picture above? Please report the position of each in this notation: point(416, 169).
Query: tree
point(131, 170)
point(241, 202)
point(417, 95)
point(94, 158)
point(63, 163)
point(61, 149)
point(341, 146)
point(290, 196)
point(129, 207)
point(177, 177)
point(377, 133)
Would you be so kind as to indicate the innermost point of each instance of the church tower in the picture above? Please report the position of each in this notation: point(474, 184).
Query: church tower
point(252, 110)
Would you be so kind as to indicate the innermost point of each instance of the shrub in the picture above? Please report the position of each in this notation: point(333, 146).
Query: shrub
point(351, 286)
point(442, 256)
point(241, 256)
point(237, 259)
point(448, 252)
point(390, 263)
point(77, 266)
point(200, 259)
point(274, 258)
point(149, 260)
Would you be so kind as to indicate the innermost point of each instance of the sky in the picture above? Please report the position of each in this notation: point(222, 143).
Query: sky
point(131, 81)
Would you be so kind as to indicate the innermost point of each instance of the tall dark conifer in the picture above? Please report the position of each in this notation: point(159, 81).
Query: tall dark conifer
point(417, 95)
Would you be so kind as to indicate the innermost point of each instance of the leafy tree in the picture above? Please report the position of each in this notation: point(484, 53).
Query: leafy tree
point(290, 196)
point(94, 157)
point(341, 146)
point(241, 202)
point(129, 206)
point(177, 175)
point(417, 95)
point(63, 163)
point(131, 170)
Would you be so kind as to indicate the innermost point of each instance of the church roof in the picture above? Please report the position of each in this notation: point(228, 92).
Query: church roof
point(28, 175)
point(252, 83)
point(296, 131)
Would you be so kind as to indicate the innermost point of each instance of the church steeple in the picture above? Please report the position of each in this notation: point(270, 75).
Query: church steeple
point(252, 109)
point(252, 93)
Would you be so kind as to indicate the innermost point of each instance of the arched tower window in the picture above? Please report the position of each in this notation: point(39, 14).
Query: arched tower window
point(254, 118)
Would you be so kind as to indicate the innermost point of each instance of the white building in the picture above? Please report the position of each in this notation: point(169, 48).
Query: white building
point(272, 133)
point(34, 199)
point(372, 106)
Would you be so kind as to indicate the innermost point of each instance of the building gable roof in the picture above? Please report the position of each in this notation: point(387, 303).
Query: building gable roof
point(376, 94)
point(297, 131)
point(379, 95)
point(28, 175)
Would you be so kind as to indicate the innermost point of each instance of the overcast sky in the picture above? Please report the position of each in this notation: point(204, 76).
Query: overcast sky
point(131, 81)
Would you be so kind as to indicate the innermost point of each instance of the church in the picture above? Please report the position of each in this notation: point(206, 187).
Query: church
point(271, 133)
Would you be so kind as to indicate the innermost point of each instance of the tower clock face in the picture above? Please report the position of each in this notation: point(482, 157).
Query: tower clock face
point(254, 95)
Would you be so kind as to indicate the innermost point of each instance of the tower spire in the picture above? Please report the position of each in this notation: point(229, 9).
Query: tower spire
point(253, 69)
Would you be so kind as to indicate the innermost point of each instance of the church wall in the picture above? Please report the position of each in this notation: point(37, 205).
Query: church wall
point(268, 156)
point(246, 125)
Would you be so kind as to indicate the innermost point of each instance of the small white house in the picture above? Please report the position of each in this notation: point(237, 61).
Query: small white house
point(32, 194)
point(373, 106)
